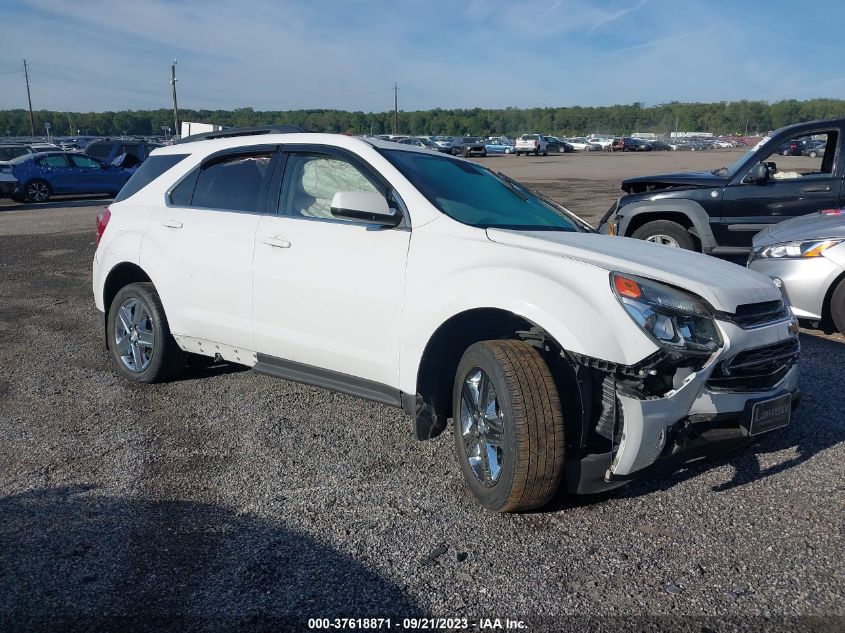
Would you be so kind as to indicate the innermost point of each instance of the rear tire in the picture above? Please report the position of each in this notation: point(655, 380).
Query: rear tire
point(665, 232)
point(140, 342)
point(37, 190)
point(510, 443)
point(837, 307)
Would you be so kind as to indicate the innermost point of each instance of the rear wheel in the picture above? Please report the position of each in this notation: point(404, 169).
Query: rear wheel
point(665, 232)
point(37, 191)
point(140, 342)
point(813, 154)
point(508, 426)
point(537, 152)
point(837, 307)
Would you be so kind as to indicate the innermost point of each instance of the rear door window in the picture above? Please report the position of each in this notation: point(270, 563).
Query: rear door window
point(78, 160)
point(233, 183)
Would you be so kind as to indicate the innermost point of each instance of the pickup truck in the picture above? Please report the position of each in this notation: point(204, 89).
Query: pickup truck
point(531, 144)
point(719, 211)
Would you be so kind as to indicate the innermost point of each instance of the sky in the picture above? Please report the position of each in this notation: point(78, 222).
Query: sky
point(99, 55)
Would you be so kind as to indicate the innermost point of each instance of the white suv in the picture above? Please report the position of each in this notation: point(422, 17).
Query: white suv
point(433, 284)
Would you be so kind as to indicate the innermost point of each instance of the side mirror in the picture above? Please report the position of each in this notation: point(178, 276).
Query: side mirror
point(758, 174)
point(364, 206)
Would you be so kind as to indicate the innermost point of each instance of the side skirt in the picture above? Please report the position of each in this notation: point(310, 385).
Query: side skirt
point(327, 379)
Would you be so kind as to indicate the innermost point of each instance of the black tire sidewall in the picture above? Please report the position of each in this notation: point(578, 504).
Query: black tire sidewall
point(666, 227)
point(157, 367)
point(493, 497)
point(837, 307)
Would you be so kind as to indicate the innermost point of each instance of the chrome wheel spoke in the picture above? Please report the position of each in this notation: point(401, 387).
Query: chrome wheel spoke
point(125, 316)
point(146, 339)
point(136, 356)
point(122, 346)
point(482, 427)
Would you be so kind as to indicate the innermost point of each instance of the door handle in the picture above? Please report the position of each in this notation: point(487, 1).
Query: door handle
point(817, 189)
point(277, 242)
point(172, 224)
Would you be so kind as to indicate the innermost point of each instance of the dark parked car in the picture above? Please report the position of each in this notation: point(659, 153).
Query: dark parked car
point(660, 146)
point(10, 151)
point(719, 211)
point(629, 144)
point(556, 145)
point(46, 173)
point(468, 146)
point(107, 150)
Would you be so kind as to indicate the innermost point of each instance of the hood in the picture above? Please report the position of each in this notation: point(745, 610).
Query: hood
point(689, 179)
point(823, 224)
point(722, 284)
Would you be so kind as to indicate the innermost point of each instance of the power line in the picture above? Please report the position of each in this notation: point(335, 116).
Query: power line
point(29, 99)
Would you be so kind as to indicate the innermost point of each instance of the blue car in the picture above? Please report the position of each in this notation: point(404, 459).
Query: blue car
point(48, 173)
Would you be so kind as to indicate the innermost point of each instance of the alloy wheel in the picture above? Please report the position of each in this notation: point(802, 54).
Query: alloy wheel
point(37, 191)
point(482, 427)
point(134, 336)
point(666, 240)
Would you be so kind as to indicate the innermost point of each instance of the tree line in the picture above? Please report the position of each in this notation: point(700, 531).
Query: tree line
point(735, 117)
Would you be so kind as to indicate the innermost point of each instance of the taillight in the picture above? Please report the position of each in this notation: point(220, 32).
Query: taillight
point(102, 221)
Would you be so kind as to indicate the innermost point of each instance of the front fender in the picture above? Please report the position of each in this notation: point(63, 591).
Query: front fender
point(690, 208)
point(571, 300)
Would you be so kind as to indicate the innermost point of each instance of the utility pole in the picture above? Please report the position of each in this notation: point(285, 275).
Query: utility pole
point(395, 108)
point(29, 99)
point(175, 109)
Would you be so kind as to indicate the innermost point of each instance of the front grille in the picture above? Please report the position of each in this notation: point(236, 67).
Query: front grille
point(756, 369)
point(749, 315)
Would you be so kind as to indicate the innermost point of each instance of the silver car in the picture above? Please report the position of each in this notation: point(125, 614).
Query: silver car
point(805, 256)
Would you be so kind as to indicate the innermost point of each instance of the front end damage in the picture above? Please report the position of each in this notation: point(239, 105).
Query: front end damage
point(624, 419)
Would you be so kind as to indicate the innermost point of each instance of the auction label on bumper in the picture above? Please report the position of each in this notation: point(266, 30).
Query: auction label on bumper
point(770, 414)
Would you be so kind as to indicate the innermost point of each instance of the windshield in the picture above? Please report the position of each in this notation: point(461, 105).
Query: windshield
point(730, 170)
point(8, 153)
point(474, 195)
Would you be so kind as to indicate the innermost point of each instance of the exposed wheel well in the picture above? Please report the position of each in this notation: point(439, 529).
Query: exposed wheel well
point(120, 276)
point(443, 352)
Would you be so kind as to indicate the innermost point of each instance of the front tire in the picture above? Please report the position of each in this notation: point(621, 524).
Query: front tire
point(508, 426)
point(140, 342)
point(665, 232)
point(837, 307)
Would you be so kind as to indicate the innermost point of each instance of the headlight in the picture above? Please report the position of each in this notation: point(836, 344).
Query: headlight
point(675, 320)
point(794, 250)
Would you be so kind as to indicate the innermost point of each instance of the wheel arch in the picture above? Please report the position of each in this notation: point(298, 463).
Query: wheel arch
point(120, 276)
point(688, 213)
point(441, 356)
point(827, 315)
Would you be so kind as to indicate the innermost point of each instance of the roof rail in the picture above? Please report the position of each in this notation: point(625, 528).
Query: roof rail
point(241, 131)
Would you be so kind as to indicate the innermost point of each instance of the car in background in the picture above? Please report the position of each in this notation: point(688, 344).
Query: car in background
point(660, 146)
point(8, 183)
point(814, 149)
point(44, 174)
point(629, 144)
point(44, 147)
point(8, 151)
point(443, 141)
point(805, 257)
point(602, 142)
point(467, 146)
point(793, 147)
point(531, 144)
point(106, 150)
point(557, 145)
point(499, 145)
point(581, 144)
point(422, 143)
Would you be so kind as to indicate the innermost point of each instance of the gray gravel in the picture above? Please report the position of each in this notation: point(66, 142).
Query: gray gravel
point(230, 500)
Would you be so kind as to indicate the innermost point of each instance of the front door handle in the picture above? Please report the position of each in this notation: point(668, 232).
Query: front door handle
point(277, 242)
point(817, 189)
point(172, 224)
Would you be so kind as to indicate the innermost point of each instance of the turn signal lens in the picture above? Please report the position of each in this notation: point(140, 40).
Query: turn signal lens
point(627, 287)
point(817, 250)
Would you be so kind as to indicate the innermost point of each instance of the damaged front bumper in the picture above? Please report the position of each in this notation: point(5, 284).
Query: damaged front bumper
point(710, 408)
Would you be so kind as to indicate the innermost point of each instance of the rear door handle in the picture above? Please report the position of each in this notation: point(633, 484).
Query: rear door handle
point(817, 189)
point(172, 224)
point(277, 242)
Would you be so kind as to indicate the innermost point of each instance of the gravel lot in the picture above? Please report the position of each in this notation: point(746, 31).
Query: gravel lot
point(232, 500)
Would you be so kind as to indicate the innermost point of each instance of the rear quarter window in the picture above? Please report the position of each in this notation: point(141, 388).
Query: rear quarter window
point(149, 170)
